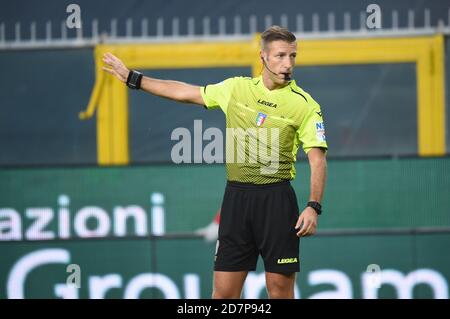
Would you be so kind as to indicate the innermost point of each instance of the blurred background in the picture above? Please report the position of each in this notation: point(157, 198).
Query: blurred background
point(93, 206)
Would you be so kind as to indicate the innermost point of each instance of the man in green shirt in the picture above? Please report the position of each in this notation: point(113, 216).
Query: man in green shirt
point(268, 118)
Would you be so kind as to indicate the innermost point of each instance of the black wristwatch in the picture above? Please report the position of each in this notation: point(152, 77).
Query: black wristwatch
point(316, 205)
point(134, 80)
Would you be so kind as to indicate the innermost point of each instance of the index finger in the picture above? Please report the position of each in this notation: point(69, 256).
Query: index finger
point(305, 226)
point(113, 57)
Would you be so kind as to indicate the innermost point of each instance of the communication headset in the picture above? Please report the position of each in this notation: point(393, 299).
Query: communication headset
point(287, 77)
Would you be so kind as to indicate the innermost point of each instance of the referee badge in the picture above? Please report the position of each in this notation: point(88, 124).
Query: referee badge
point(260, 119)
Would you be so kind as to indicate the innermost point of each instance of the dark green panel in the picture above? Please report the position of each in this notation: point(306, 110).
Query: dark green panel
point(359, 194)
point(368, 109)
point(41, 94)
point(123, 258)
point(399, 255)
point(383, 193)
point(185, 206)
point(194, 258)
point(331, 267)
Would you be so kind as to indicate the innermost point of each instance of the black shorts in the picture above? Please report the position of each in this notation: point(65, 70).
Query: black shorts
point(258, 219)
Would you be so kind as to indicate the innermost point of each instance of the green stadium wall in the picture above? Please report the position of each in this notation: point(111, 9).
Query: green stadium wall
point(72, 203)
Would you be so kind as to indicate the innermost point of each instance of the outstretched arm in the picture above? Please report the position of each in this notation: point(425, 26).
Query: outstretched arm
point(174, 90)
point(318, 166)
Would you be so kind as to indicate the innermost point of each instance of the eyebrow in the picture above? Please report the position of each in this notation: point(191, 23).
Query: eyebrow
point(283, 52)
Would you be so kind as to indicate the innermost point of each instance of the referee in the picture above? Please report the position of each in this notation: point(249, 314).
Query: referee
point(259, 213)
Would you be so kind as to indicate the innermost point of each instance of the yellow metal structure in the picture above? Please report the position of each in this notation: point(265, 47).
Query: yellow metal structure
point(110, 96)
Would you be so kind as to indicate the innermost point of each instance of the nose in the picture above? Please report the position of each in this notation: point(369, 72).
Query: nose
point(289, 63)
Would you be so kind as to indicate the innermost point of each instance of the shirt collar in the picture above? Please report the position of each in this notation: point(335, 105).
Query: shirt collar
point(258, 81)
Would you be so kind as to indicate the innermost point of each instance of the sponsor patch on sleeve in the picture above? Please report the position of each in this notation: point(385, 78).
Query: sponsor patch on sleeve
point(320, 131)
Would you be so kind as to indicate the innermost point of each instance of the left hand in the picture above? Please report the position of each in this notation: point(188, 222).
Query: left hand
point(309, 220)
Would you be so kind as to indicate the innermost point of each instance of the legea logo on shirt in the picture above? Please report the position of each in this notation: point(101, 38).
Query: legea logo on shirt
point(260, 119)
point(270, 104)
point(320, 131)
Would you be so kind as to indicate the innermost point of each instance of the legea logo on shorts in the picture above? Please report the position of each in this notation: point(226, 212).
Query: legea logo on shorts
point(287, 260)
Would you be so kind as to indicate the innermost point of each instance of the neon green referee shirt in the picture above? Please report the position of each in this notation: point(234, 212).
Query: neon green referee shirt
point(265, 128)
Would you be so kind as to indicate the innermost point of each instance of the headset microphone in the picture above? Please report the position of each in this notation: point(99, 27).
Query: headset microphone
point(287, 77)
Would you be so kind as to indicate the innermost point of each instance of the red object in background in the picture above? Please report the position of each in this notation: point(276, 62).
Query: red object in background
point(217, 217)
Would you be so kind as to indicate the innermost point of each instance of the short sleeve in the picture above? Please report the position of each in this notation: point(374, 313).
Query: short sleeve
point(218, 95)
point(312, 130)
